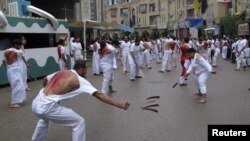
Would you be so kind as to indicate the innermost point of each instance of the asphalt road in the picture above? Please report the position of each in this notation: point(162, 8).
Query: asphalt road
point(180, 117)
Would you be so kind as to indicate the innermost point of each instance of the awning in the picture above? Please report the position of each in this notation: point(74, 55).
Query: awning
point(195, 22)
point(126, 28)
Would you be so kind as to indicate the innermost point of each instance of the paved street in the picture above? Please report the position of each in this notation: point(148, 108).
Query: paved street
point(180, 117)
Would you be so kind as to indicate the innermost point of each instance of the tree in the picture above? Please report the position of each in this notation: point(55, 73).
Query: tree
point(228, 24)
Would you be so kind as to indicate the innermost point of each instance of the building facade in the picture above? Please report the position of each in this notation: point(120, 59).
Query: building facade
point(165, 15)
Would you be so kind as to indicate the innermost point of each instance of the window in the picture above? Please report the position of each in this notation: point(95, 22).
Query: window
point(190, 2)
point(152, 7)
point(113, 12)
point(143, 8)
point(33, 40)
point(152, 20)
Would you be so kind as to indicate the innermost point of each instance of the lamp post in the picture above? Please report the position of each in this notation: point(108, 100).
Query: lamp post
point(84, 35)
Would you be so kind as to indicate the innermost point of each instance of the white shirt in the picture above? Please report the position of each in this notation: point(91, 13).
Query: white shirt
point(136, 49)
point(125, 47)
point(108, 58)
point(241, 44)
point(97, 47)
point(199, 65)
point(217, 44)
point(78, 49)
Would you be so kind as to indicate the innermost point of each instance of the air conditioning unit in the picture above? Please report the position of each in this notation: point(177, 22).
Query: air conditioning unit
point(13, 9)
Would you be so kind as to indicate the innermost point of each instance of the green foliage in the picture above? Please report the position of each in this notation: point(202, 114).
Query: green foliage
point(134, 35)
point(115, 36)
point(229, 25)
point(201, 31)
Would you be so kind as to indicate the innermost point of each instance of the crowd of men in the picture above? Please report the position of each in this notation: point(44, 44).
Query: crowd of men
point(197, 56)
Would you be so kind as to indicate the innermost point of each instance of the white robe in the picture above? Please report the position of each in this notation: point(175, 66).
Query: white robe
point(96, 59)
point(135, 66)
point(107, 62)
point(125, 54)
point(14, 74)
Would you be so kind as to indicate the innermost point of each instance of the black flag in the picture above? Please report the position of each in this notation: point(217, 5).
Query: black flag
point(203, 6)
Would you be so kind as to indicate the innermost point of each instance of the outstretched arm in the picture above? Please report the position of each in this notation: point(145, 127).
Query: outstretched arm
point(106, 99)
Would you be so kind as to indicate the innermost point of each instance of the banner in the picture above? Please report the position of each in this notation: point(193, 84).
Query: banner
point(196, 7)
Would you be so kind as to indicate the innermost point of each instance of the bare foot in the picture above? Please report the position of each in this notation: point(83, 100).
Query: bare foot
point(197, 94)
point(28, 89)
point(202, 99)
point(110, 92)
point(15, 106)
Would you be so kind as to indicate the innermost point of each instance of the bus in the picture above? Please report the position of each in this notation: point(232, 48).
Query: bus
point(41, 36)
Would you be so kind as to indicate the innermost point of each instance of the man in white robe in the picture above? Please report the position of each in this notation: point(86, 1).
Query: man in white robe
point(14, 73)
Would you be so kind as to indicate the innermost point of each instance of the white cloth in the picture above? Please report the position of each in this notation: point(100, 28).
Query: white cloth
point(155, 47)
point(247, 55)
point(24, 70)
point(201, 81)
point(14, 74)
point(47, 108)
point(96, 59)
point(224, 49)
point(61, 63)
point(214, 59)
point(202, 70)
point(166, 61)
point(135, 64)
point(78, 51)
point(72, 60)
point(125, 54)
point(145, 58)
point(107, 62)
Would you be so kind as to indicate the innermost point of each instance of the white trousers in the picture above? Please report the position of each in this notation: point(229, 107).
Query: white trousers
point(58, 114)
point(115, 63)
point(108, 77)
point(125, 57)
point(174, 58)
point(61, 64)
point(240, 61)
point(18, 93)
point(96, 63)
point(201, 81)
point(24, 73)
point(224, 52)
point(79, 57)
point(134, 69)
point(145, 58)
point(166, 61)
point(215, 57)
point(156, 55)
point(248, 61)
point(72, 62)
